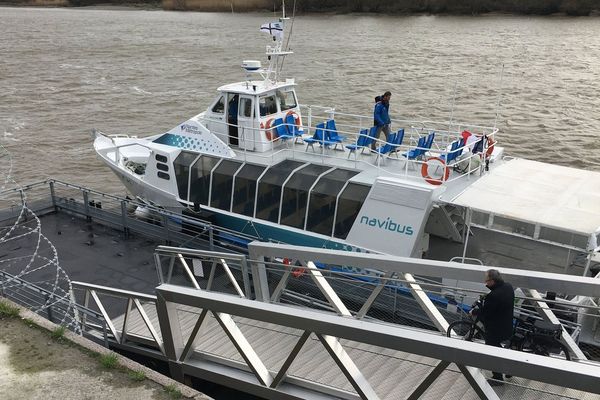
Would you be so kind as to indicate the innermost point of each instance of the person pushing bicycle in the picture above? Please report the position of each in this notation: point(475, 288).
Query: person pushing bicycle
point(496, 314)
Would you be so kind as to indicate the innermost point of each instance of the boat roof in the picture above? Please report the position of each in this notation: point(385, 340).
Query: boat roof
point(256, 87)
point(551, 195)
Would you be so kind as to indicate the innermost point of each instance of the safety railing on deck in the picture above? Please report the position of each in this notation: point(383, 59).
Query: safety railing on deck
point(349, 126)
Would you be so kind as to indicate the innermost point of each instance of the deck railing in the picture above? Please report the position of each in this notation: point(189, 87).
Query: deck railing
point(393, 163)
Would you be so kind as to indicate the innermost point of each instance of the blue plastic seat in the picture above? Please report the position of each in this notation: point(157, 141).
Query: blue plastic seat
point(318, 137)
point(333, 132)
point(363, 141)
point(387, 147)
point(455, 151)
point(392, 144)
point(416, 152)
point(281, 129)
point(424, 144)
point(293, 129)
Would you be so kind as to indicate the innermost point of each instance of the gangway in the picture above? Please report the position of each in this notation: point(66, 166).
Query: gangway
point(247, 337)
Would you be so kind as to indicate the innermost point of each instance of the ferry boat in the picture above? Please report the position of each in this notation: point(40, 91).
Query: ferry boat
point(259, 162)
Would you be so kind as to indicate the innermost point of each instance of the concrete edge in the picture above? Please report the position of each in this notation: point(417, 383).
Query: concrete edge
point(158, 378)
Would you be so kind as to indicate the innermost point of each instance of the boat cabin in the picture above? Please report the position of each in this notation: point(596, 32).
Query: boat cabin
point(255, 115)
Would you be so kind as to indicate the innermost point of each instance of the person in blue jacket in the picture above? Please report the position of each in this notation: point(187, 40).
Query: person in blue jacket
point(381, 117)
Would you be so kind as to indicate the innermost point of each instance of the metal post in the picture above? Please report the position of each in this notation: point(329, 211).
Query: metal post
point(466, 233)
point(105, 334)
point(246, 278)
point(166, 226)
point(211, 238)
point(124, 218)
point(49, 307)
point(86, 205)
point(53, 196)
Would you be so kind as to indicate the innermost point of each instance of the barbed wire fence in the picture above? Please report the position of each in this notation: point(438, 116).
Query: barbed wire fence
point(30, 270)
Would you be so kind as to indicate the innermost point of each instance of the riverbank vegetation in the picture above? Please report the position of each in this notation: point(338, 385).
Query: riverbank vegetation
point(468, 7)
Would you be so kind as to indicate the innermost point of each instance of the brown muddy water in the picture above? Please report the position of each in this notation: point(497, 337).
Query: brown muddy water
point(66, 71)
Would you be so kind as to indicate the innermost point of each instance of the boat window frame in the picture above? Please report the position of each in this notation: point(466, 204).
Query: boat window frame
point(220, 99)
point(189, 167)
point(223, 160)
point(275, 103)
point(266, 167)
point(280, 93)
point(277, 171)
point(308, 191)
point(256, 191)
point(300, 167)
point(246, 97)
point(337, 201)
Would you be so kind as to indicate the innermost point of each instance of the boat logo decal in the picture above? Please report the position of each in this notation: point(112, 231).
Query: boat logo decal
point(190, 129)
point(387, 224)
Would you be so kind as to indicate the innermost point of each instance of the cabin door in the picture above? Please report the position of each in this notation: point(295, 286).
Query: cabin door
point(247, 129)
point(232, 119)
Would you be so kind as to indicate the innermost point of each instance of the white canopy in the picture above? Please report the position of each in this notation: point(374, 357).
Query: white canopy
point(546, 194)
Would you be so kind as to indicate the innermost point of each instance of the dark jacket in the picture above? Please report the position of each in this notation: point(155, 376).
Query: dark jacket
point(497, 311)
point(381, 114)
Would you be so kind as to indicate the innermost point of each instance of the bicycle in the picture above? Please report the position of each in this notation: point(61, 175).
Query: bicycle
point(537, 337)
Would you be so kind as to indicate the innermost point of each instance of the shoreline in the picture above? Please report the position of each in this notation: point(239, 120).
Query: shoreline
point(193, 6)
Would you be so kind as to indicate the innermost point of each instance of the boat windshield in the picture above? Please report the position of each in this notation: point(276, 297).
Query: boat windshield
point(287, 100)
point(267, 105)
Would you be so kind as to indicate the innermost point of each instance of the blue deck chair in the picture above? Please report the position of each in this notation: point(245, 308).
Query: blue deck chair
point(281, 129)
point(387, 147)
point(399, 138)
point(318, 137)
point(333, 132)
point(363, 141)
point(293, 129)
point(455, 151)
point(424, 144)
point(416, 152)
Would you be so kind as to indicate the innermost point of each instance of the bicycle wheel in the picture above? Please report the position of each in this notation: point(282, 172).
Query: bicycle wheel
point(555, 349)
point(465, 330)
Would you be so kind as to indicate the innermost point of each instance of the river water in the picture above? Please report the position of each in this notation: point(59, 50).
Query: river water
point(66, 71)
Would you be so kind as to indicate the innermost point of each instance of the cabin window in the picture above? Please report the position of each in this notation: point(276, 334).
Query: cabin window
point(245, 189)
point(349, 205)
point(321, 208)
point(246, 107)
point(295, 195)
point(162, 175)
point(222, 184)
point(161, 158)
point(200, 179)
point(162, 167)
point(269, 189)
point(267, 105)
point(219, 106)
point(182, 172)
point(287, 100)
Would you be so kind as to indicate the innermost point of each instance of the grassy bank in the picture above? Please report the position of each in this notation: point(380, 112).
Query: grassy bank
point(39, 359)
point(469, 7)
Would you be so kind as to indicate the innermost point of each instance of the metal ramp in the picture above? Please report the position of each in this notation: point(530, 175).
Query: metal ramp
point(279, 351)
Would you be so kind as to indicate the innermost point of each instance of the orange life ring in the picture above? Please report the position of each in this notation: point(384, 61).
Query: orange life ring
point(271, 133)
point(297, 120)
point(429, 179)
